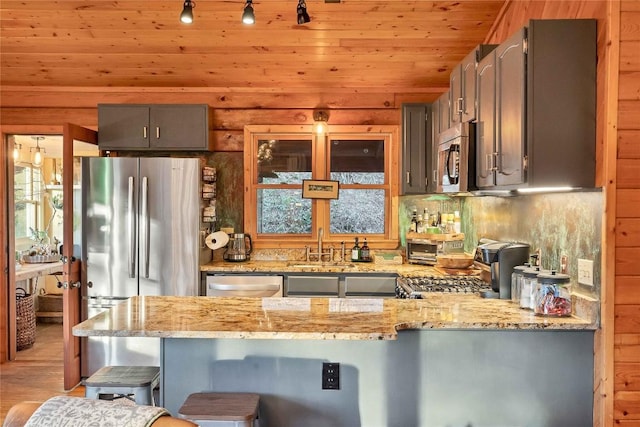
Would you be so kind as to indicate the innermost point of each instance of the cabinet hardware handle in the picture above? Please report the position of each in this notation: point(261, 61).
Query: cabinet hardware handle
point(144, 132)
point(89, 284)
point(157, 132)
point(131, 230)
point(408, 177)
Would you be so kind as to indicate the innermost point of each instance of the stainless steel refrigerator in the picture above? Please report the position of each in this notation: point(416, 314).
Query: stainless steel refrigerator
point(141, 235)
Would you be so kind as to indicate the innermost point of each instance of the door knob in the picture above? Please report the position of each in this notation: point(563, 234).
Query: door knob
point(89, 284)
point(76, 285)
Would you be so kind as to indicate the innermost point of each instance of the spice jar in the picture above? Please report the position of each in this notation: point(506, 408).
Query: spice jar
point(516, 281)
point(552, 294)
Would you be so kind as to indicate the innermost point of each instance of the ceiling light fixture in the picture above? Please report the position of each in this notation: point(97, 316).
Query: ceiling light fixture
point(247, 14)
point(186, 17)
point(303, 16)
point(38, 153)
point(320, 118)
point(16, 150)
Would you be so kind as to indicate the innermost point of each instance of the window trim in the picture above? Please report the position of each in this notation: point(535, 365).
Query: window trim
point(321, 208)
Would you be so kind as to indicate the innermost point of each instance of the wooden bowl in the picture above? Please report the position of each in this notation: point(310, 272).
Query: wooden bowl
point(454, 261)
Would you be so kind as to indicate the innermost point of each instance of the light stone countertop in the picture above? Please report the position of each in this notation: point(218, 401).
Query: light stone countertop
point(312, 318)
point(257, 266)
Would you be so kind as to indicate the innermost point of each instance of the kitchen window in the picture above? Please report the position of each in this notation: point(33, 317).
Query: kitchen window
point(28, 188)
point(278, 159)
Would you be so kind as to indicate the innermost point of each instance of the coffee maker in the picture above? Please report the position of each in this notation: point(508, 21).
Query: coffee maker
point(501, 257)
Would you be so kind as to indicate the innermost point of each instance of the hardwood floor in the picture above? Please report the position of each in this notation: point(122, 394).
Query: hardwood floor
point(37, 372)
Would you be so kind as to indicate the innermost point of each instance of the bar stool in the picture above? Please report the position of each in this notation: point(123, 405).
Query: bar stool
point(124, 381)
point(221, 409)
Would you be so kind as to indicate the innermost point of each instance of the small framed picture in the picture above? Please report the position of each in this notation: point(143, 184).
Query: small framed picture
point(315, 189)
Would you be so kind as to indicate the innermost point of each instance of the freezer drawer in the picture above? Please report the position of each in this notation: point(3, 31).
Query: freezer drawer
point(308, 286)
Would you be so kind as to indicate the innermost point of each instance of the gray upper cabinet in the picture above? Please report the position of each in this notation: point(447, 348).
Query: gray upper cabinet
point(162, 127)
point(536, 108)
point(462, 84)
point(417, 149)
point(443, 121)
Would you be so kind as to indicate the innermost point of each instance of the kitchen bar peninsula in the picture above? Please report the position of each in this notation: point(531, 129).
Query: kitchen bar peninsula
point(454, 360)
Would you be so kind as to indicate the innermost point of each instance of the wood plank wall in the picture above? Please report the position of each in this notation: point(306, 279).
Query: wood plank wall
point(627, 226)
point(43, 110)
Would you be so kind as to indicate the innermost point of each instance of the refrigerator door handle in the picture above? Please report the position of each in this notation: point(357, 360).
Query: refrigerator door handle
point(132, 225)
point(146, 227)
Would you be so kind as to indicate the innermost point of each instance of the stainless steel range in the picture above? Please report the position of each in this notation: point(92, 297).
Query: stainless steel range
point(416, 287)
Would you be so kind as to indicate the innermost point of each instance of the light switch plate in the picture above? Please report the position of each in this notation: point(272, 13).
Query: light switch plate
point(585, 272)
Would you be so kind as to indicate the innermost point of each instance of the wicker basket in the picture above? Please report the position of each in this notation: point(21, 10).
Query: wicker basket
point(25, 320)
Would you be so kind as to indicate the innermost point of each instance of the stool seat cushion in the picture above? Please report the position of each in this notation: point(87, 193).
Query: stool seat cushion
point(220, 406)
point(124, 376)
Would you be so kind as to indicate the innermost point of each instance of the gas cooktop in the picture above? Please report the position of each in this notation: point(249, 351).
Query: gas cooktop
point(415, 287)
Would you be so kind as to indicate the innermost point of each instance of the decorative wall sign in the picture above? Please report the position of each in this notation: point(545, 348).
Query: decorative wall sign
point(316, 189)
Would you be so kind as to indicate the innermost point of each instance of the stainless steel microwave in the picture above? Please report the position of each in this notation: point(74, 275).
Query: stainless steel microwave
point(456, 159)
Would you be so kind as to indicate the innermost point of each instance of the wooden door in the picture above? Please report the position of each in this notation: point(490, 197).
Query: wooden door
point(71, 296)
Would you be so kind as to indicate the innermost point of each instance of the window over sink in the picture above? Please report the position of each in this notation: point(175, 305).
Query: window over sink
point(278, 159)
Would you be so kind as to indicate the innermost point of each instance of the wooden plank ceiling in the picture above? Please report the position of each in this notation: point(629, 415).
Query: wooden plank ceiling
point(351, 46)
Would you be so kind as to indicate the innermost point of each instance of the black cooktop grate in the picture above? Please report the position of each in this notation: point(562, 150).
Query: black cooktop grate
point(414, 287)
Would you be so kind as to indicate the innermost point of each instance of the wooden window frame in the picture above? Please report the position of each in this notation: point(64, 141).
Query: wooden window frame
point(320, 208)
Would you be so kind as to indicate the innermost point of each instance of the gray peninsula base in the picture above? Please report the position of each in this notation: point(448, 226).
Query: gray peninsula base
point(432, 378)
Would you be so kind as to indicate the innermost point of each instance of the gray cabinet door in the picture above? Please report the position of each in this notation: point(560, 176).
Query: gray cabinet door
point(444, 119)
point(485, 123)
point(510, 110)
point(179, 127)
point(417, 148)
point(123, 127)
point(456, 94)
point(153, 127)
point(468, 92)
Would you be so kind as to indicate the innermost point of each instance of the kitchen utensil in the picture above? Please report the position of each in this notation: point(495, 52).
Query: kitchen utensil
point(238, 248)
point(454, 260)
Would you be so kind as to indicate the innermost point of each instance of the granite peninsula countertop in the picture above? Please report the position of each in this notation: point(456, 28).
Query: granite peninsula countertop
point(312, 318)
point(257, 266)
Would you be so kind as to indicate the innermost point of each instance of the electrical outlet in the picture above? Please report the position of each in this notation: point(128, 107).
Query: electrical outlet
point(330, 376)
point(585, 272)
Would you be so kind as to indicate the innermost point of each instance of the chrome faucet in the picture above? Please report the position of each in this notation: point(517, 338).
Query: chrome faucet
point(320, 253)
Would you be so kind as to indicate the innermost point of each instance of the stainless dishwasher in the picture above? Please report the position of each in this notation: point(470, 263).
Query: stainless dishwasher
point(244, 285)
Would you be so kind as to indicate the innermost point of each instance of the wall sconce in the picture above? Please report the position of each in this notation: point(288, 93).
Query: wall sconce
point(38, 153)
point(16, 151)
point(247, 14)
point(186, 17)
point(320, 119)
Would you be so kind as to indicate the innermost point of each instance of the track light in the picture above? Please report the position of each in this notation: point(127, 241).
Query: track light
point(16, 151)
point(247, 15)
point(38, 153)
point(186, 16)
point(303, 16)
point(320, 118)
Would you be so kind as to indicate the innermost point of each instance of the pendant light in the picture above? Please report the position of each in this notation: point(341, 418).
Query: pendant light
point(16, 151)
point(303, 16)
point(247, 15)
point(186, 17)
point(38, 153)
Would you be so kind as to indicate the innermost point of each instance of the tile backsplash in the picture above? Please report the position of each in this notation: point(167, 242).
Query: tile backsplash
point(558, 224)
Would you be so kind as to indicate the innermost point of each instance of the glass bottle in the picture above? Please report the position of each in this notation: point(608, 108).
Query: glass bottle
point(413, 226)
point(365, 253)
point(355, 251)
